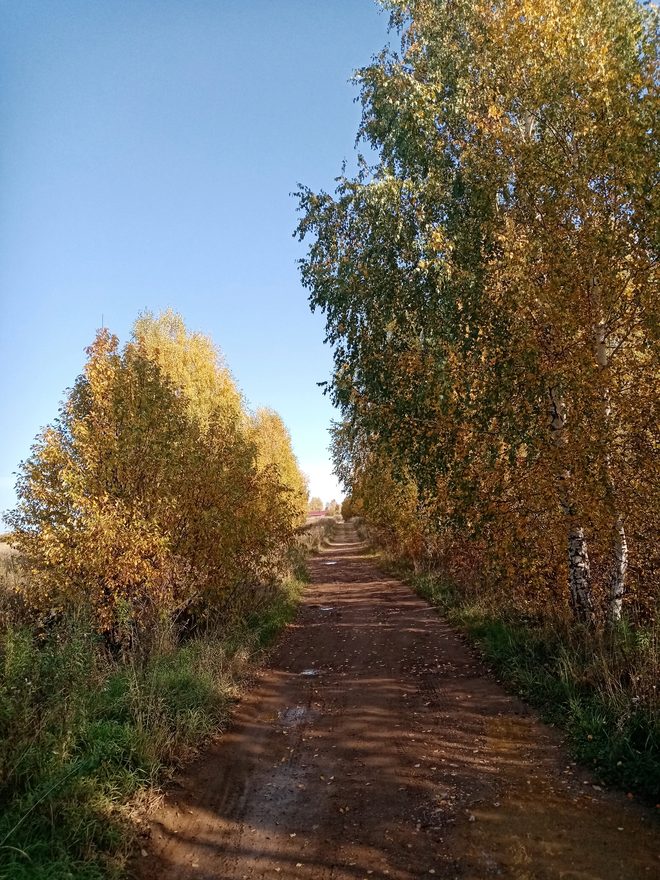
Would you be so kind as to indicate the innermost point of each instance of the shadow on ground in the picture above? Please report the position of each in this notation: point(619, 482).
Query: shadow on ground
point(376, 745)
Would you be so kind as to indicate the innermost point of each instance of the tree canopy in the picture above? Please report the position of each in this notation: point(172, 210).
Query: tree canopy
point(490, 291)
point(156, 491)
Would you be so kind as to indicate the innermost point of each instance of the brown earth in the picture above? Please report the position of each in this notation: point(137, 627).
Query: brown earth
point(376, 745)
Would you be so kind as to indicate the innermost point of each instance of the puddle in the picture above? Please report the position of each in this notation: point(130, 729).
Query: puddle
point(326, 608)
point(293, 715)
point(309, 673)
point(330, 563)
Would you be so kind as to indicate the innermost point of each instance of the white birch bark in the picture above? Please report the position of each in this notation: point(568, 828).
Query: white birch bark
point(579, 571)
point(620, 569)
point(580, 574)
point(619, 565)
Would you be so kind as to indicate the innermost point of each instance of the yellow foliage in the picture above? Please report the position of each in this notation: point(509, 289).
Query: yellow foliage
point(491, 290)
point(155, 492)
point(276, 460)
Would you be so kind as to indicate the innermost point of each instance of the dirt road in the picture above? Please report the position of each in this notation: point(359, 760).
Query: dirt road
point(375, 745)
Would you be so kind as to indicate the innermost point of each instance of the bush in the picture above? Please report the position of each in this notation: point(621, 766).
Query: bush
point(155, 493)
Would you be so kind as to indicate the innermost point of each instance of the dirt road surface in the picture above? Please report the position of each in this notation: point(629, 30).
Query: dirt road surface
point(375, 745)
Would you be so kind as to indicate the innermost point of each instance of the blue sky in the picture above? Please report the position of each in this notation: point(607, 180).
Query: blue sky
point(148, 153)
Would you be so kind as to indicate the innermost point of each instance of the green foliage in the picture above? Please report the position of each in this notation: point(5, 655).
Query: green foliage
point(80, 732)
point(267, 623)
point(490, 290)
point(489, 287)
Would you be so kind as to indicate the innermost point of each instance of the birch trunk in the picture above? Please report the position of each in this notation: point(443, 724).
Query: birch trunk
point(620, 569)
point(619, 565)
point(579, 571)
point(579, 574)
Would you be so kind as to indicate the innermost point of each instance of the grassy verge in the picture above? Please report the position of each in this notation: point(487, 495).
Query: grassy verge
point(82, 736)
point(313, 535)
point(600, 688)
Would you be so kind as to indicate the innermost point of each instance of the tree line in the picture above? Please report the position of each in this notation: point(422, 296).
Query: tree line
point(489, 283)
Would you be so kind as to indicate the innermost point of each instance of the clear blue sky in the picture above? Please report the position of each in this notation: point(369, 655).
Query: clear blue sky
point(148, 153)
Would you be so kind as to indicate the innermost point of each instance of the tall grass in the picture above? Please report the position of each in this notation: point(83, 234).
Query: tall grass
point(312, 536)
point(601, 687)
point(81, 733)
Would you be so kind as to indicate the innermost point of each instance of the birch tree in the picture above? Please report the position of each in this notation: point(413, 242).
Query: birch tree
point(155, 493)
point(489, 285)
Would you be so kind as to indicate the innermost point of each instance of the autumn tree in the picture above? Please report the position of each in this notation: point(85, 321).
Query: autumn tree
point(332, 508)
point(275, 455)
point(350, 507)
point(97, 495)
point(489, 285)
point(156, 492)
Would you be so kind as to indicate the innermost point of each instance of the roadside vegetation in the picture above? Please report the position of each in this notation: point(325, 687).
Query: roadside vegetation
point(315, 533)
point(489, 286)
point(157, 531)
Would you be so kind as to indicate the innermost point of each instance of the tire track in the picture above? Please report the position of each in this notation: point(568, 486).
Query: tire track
point(376, 746)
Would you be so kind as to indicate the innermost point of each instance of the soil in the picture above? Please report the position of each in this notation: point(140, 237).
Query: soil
point(375, 744)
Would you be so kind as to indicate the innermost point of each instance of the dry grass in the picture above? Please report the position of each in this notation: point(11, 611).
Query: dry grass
point(315, 532)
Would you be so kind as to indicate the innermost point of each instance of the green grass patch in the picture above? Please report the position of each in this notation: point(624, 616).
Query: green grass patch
point(81, 734)
point(600, 687)
point(267, 624)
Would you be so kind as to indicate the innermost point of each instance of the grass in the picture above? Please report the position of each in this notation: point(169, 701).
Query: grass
point(601, 688)
point(82, 736)
point(313, 535)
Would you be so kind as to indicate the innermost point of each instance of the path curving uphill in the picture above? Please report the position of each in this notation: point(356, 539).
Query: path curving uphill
point(375, 745)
